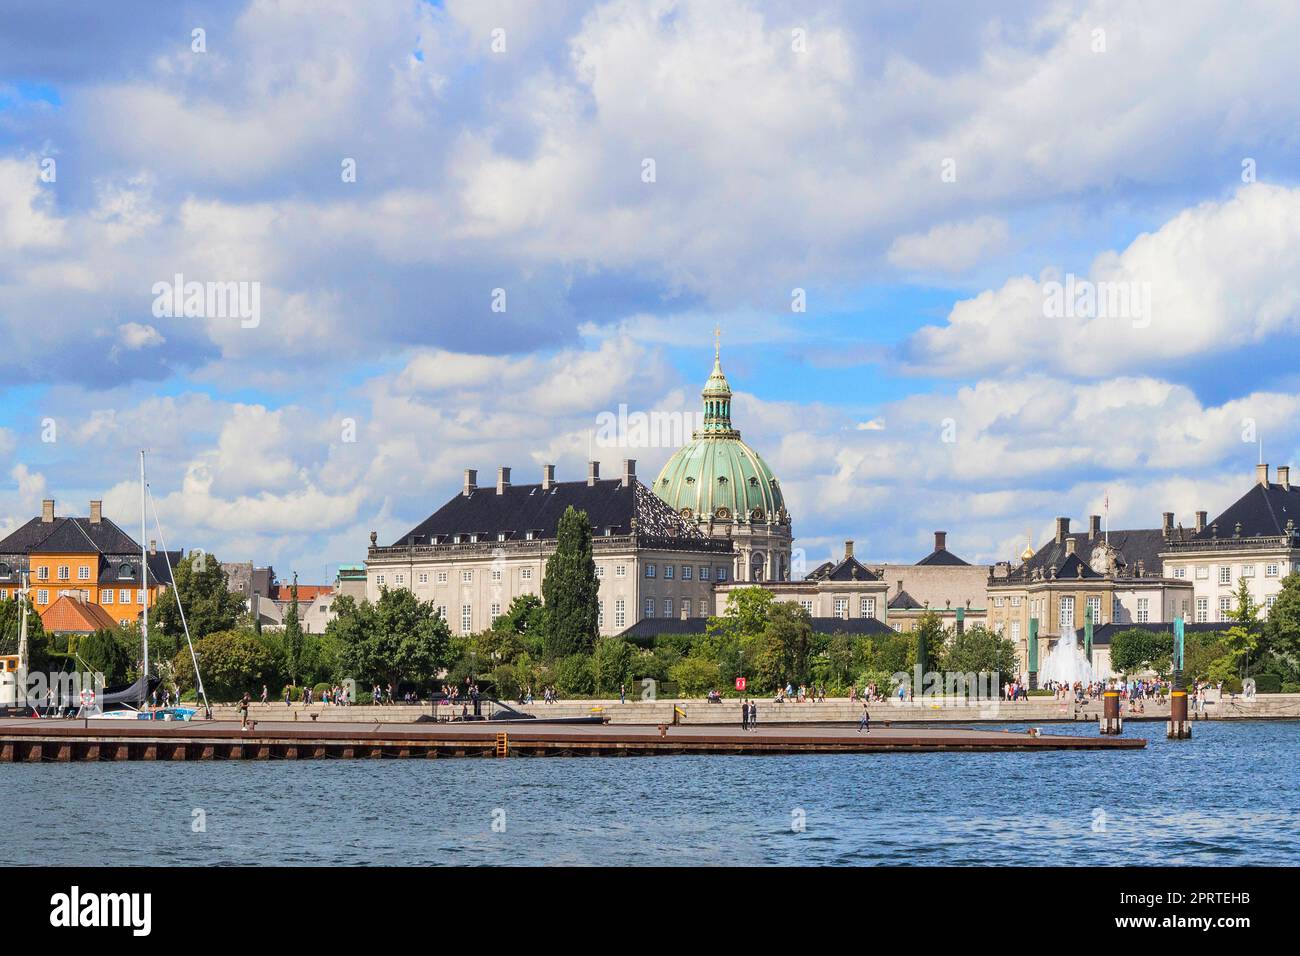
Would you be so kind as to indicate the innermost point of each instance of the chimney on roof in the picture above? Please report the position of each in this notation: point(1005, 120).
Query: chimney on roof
point(1167, 523)
point(47, 510)
point(629, 472)
point(593, 472)
point(548, 477)
point(848, 549)
point(153, 546)
point(941, 541)
point(1261, 474)
point(503, 479)
point(1062, 529)
point(1284, 477)
point(471, 482)
point(1094, 527)
point(96, 512)
point(1200, 521)
point(1069, 545)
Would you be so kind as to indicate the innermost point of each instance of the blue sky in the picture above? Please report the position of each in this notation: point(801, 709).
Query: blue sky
point(500, 145)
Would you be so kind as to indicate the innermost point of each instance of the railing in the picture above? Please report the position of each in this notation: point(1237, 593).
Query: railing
point(406, 552)
point(1258, 543)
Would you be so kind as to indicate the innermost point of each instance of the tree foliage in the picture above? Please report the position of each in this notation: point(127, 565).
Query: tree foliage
point(570, 589)
point(231, 663)
point(397, 639)
point(207, 600)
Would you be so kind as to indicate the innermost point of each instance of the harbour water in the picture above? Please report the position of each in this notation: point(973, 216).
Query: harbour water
point(1230, 796)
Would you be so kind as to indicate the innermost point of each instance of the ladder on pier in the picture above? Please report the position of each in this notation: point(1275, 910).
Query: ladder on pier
point(503, 745)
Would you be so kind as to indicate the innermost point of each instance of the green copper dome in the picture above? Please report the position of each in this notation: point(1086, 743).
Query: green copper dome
point(717, 476)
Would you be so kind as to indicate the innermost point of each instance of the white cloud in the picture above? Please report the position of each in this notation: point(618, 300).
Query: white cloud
point(949, 247)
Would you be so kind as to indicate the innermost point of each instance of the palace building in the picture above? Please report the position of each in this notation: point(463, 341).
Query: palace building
point(487, 546)
point(720, 485)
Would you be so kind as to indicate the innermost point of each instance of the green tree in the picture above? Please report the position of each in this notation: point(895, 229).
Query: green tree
point(101, 652)
point(570, 589)
point(929, 641)
point(38, 642)
point(694, 676)
point(781, 652)
point(978, 649)
point(573, 676)
point(1243, 637)
point(208, 602)
point(1137, 649)
point(293, 637)
point(611, 665)
point(1282, 628)
point(398, 638)
point(231, 662)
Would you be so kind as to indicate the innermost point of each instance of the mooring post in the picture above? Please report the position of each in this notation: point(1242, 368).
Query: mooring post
point(1111, 720)
point(1179, 727)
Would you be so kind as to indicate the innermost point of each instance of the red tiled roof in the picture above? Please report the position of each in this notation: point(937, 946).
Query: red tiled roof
point(69, 615)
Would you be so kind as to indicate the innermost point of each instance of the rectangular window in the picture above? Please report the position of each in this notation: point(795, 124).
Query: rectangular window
point(997, 602)
point(399, 579)
point(1270, 570)
point(107, 597)
point(139, 598)
point(1247, 570)
point(63, 572)
point(467, 577)
point(1094, 605)
point(1067, 614)
point(1180, 573)
point(442, 577)
point(649, 607)
point(1202, 572)
point(83, 573)
point(600, 570)
point(42, 597)
point(722, 574)
point(687, 571)
point(1143, 611)
point(807, 606)
point(496, 611)
point(686, 607)
point(124, 596)
point(526, 574)
point(867, 607)
point(1015, 602)
point(1225, 605)
point(1225, 574)
point(1202, 610)
point(841, 607)
point(668, 607)
point(379, 580)
point(620, 613)
point(424, 577)
point(668, 571)
point(649, 570)
point(496, 574)
point(1270, 601)
point(42, 574)
point(704, 607)
point(600, 613)
point(466, 618)
point(1015, 630)
point(704, 572)
point(1116, 609)
point(620, 570)
point(442, 611)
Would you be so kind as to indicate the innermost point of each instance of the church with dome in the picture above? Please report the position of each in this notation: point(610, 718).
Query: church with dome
point(723, 487)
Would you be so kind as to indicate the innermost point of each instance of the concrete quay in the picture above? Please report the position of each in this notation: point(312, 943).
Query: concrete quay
point(833, 711)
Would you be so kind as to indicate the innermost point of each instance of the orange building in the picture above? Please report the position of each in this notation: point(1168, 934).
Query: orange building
point(90, 559)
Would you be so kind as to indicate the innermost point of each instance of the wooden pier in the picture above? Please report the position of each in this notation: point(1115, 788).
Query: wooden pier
point(32, 741)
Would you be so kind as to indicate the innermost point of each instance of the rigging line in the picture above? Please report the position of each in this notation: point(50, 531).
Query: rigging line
point(172, 575)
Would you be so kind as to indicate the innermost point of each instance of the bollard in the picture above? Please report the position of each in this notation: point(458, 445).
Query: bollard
point(1111, 720)
point(1179, 727)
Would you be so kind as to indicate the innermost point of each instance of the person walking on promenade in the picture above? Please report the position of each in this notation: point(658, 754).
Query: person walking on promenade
point(753, 715)
point(865, 722)
point(263, 694)
point(622, 693)
point(243, 711)
point(288, 696)
point(744, 715)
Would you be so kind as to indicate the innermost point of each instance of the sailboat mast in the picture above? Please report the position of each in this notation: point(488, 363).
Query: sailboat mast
point(22, 643)
point(144, 573)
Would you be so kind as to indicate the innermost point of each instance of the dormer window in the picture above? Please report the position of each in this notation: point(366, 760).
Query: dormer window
point(124, 571)
point(690, 479)
point(4, 569)
point(753, 482)
point(501, 535)
point(722, 479)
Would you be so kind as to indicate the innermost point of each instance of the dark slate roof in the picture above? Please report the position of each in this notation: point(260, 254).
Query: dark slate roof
point(849, 569)
point(1262, 512)
point(1105, 633)
point(942, 556)
point(652, 626)
point(902, 601)
point(72, 535)
point(1143, 544)
point(520, 509)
